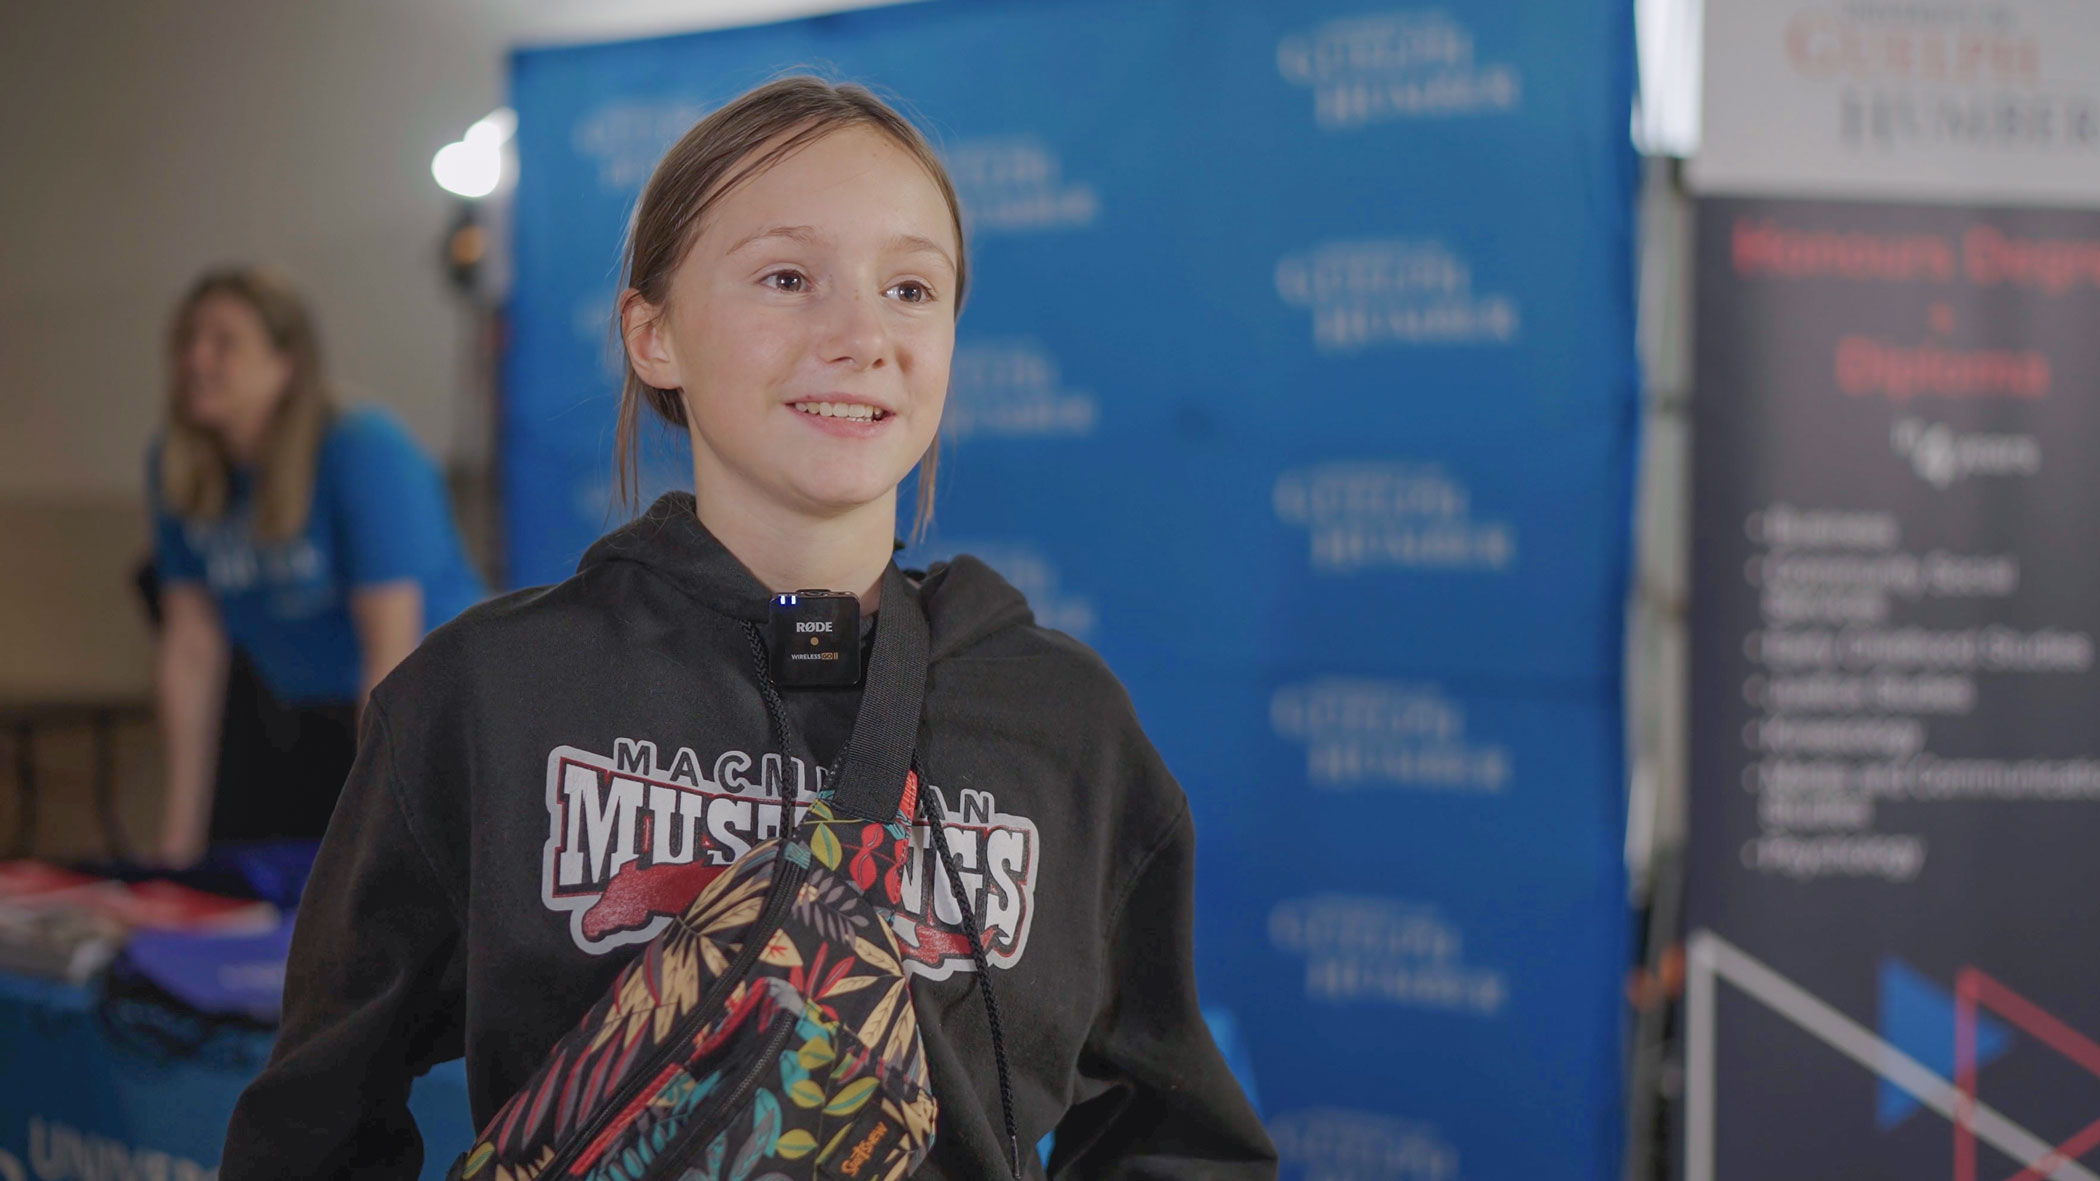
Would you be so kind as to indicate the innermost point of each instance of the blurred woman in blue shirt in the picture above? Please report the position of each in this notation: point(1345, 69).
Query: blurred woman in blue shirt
point(316, 542)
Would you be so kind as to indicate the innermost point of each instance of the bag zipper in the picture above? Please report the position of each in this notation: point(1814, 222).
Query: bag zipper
point(788, 876)
point(694, 1141)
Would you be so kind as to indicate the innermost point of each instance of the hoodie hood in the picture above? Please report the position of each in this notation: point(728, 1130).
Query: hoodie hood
point(669, 541)
point(966, 602)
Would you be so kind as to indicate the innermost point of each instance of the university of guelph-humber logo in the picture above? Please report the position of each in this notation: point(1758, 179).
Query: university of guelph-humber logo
point(633, 838)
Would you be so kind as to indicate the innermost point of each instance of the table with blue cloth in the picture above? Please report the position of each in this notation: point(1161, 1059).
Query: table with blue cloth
point(86, 1095)
point(119, 1078)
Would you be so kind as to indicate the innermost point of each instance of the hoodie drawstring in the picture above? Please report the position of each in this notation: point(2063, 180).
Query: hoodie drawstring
point(938, 821)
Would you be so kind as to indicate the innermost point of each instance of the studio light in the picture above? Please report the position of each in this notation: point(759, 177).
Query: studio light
point(473, 166)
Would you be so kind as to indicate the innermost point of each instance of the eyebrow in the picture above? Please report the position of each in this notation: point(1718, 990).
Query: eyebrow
point(911, 243)
point(802, 234)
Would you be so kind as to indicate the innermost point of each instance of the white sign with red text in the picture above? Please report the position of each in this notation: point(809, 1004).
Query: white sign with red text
point(1968, 101)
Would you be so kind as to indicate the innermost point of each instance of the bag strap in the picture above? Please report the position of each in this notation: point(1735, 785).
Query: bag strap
point(878, 755)
point(877, 761)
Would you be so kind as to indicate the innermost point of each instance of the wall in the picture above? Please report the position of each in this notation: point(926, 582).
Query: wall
point(145, 141)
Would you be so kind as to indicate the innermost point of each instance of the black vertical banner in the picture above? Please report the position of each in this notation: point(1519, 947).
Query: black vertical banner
point(1894, 863)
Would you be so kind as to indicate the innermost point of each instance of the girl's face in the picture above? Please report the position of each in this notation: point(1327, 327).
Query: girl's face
point(809, 328)
point(229, 376)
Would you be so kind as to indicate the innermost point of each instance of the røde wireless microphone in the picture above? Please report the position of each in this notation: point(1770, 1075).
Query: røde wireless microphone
point(815, 641)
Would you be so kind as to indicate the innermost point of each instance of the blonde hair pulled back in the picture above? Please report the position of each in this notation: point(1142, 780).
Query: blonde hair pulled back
point(733, 144)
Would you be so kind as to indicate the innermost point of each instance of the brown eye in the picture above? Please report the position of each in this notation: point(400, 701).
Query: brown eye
point(789, 281)
point(911, 292)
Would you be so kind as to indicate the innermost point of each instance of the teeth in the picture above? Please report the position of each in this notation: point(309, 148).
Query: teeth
point(848, 410)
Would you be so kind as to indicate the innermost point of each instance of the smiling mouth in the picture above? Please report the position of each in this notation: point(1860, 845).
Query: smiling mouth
point(850, 411)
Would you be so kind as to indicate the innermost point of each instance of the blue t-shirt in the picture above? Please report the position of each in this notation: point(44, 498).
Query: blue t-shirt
point(380, 514)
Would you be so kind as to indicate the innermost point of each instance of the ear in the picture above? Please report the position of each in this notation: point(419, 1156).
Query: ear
point(645, 334)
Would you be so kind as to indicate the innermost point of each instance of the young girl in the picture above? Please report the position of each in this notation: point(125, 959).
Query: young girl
point(532, 782)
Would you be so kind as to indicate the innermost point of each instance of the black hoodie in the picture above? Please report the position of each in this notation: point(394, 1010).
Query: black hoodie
point(531, 782)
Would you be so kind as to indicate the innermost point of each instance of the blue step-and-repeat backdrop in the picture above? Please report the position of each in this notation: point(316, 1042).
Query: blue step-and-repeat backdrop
point(1297, 378)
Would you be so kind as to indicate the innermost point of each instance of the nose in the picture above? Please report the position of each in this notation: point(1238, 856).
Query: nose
point(854, 333)
point(194, 357)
